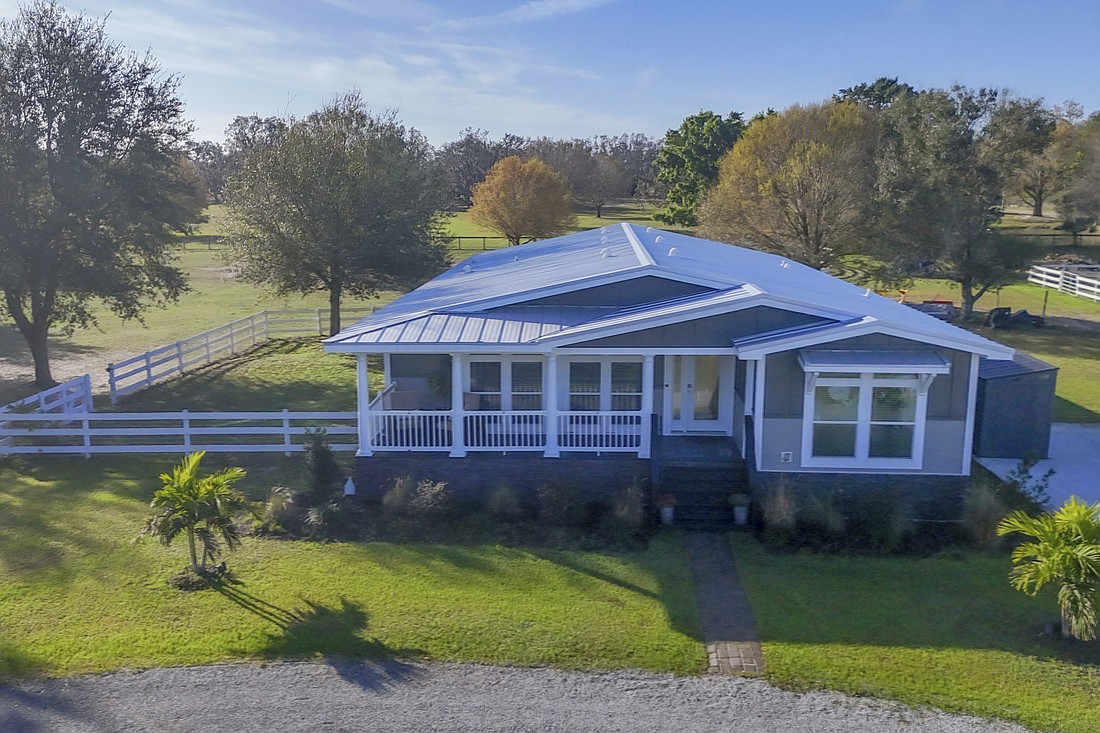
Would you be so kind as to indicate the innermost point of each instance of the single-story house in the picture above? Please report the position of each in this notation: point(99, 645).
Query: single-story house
point(609, 353)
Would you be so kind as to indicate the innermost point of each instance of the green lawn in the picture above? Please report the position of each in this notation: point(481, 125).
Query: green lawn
point(1074, 350)
point(293, 374)
point(947, 633)
point(76, 595)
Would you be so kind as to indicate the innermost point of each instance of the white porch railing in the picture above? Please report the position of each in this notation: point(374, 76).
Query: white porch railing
point(1080, 280)
point(171, 432)
point(433, 430)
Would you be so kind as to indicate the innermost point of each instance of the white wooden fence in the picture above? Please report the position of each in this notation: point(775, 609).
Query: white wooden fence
point(74, 395)
point(87, 433)
point(1080, 280)
point(236, 336)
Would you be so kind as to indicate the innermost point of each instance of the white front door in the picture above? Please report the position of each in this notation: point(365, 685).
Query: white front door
point(698, 393)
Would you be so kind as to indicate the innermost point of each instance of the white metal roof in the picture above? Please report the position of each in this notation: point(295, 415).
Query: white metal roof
point(884, 361)
point(450, 309)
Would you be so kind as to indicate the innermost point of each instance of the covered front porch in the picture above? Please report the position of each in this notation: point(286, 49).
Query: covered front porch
point(545, 404)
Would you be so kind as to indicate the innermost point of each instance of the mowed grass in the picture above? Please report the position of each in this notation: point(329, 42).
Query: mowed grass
point(1074, 348)
point(77, 595)
point(293, 374)
point(940, 632)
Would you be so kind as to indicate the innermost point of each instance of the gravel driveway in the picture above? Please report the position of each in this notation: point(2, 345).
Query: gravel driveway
point(414, 697)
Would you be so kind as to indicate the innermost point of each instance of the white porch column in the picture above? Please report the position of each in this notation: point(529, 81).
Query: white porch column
point(647, 407)
point(458, 409)
point(362, 391)
point(553, 449)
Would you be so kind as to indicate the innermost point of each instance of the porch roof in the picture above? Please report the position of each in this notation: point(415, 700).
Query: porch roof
point(921, 361)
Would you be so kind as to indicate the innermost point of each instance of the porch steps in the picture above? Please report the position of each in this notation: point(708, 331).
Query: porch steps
point(702, 473)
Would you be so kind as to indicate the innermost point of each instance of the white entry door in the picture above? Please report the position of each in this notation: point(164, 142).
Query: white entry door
point(698, 394)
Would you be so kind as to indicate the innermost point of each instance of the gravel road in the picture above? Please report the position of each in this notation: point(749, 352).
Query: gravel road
point(413, 697)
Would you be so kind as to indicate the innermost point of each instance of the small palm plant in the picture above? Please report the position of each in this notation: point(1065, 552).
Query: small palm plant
point(1065, 551)
point(203, 508)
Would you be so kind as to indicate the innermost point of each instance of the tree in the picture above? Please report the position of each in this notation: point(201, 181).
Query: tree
point(636, 153)
point(1078, 200)
point(212, 164)
point(523, 201)
point(342, 201)
point(609, 181)
point(939, 190)
point(91, 186)
point(877, 95)
point(797, 184)
point(465, 162)
point(204, 508)
point(1064, 551)
point(688, 162)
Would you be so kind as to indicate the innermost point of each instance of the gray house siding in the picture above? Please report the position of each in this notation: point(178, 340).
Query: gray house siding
point(947, 401)
point(713, 332)
point(622, 294)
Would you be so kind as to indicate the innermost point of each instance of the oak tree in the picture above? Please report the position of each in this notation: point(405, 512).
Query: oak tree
point(688, 162)
point(523, 201)
point(797, 184)
point(343, 201)
point(93, 185)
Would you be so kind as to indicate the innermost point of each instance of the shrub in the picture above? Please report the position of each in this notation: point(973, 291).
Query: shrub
point(780, 514)
point(983, 510)
point(561, 505)
point(878, 522)
point(820, 524)
point(324, 470)
point(625, 521)
point(325, 518)
point(417, 501)
point(279, 511)
point(503, 502)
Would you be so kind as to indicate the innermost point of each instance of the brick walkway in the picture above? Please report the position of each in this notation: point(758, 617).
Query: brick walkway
point(725, 617)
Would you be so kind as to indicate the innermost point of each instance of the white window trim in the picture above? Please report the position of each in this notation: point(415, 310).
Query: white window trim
point(865, 381)
point(605, 381)
point(506, 389)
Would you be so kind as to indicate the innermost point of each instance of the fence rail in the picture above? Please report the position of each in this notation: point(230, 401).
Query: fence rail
point(74, 395)
point(90, 433)
point(1080, 280)
point(231, 338)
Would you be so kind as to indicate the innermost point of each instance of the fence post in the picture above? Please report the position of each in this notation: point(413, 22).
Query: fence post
point(320, 332)
point(186, 429)
point(267, 326)
point(89, 405)
point(232, 341)
point(286, 432)
point(148, 370)
point(206, 341)
point(86, 432)
point(179, 356)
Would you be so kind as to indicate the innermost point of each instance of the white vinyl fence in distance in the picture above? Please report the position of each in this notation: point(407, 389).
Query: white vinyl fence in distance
point(234, 337)
point(1080, 280)
point(74, 395)
point(89, 433)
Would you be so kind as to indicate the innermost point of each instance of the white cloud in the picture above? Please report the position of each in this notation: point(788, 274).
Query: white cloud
point(529, 12)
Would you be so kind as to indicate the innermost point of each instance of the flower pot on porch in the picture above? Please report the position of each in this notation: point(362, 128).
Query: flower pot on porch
point(667, 514)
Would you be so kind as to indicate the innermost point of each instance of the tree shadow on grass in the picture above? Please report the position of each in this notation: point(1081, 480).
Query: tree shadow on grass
point(334, 633)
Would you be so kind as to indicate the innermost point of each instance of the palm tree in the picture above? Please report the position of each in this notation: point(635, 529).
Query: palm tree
point(202, 507)
point(1064, 551)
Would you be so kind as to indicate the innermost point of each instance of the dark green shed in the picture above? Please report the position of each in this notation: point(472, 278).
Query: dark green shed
point(1015, 403)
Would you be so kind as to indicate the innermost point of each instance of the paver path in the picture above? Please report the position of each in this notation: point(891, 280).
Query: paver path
point(725, 616)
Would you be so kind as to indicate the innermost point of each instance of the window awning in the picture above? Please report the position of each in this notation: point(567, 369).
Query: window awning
point(885, 361)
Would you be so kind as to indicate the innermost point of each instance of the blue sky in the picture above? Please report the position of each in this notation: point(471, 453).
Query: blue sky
point(576, 68)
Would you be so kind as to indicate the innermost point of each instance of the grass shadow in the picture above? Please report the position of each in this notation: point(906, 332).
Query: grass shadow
point(335, 633)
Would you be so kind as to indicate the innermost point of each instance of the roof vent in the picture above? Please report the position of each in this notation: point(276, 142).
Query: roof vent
point(659, 239)
point(867, 293)
point(467, 268)
point(603, 230)
point(784, 263)
point(606, 252)
point(648, 230)
point(672, 251)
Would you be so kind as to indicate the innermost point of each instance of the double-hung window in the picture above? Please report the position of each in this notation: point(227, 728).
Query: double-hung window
point(856, 416)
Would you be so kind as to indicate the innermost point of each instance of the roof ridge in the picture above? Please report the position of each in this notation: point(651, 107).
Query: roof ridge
point(644, 257)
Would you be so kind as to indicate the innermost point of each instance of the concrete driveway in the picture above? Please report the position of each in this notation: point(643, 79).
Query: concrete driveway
point(1075, 458)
